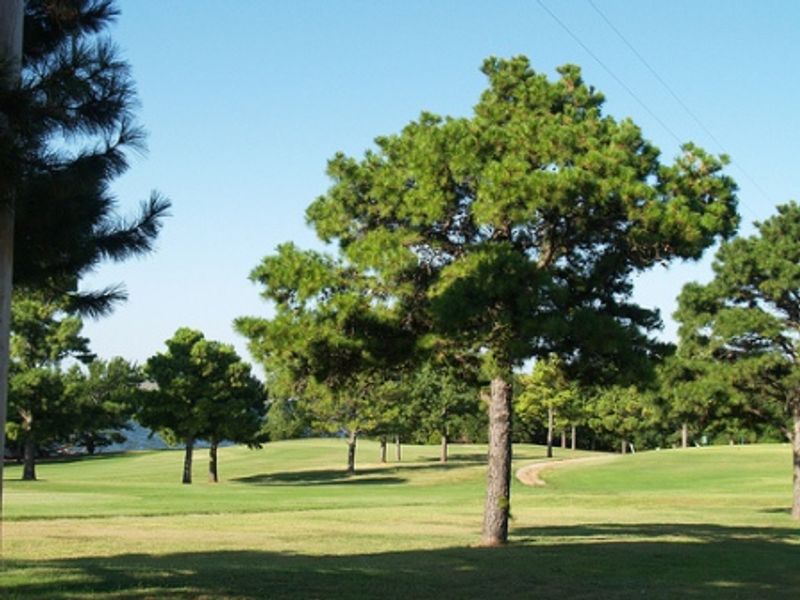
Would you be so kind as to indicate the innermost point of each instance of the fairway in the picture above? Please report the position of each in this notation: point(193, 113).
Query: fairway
point(287, 522)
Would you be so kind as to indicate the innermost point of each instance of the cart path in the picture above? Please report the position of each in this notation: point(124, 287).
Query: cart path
point(531, 474)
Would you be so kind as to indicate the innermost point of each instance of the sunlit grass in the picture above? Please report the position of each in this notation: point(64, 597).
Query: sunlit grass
point(287, 522)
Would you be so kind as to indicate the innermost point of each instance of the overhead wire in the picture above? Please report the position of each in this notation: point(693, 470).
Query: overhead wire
point(641, 102)
point(680, 101)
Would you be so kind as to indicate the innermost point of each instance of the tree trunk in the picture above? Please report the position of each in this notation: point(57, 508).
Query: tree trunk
point(29, 460)
point(443, 450)
point(498, 485)
point(11, 18)
point(383, 449)
point(398, 448)
point(796, 461)
point(187, 461)
point(549, 432)
point(685, 435)
point(573, 438)
point(624, 446)
point(563, 439)
point(213, 474)
point(351, 452)
point(90, 447)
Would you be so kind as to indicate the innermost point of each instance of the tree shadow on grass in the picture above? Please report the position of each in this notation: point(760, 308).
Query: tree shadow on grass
point(389, 474)
point(476, 458)
point(324, 477)
point(777, 510)
point(581, 562)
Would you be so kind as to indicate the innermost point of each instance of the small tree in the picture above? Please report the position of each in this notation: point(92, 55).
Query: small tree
point(621, 414)
point(103, 399)
point(332, 343)
point(747, 319)
point(546, 396)
point(234, 404)
point(441, 397)
point(203, 391)
point(42, 337)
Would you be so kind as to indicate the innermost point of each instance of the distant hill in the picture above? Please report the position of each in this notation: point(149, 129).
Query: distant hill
point(141, 438)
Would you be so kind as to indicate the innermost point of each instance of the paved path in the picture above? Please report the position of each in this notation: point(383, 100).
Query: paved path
point(531, 474)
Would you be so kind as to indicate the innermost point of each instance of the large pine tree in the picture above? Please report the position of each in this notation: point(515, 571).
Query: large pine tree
point(66, 125)
point(516, 232)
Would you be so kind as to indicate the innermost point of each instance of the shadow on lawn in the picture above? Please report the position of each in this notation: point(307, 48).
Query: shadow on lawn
point(389, 474)
point(578, 562)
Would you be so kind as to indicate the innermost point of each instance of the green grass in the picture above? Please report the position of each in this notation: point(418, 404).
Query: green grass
point(287, 522)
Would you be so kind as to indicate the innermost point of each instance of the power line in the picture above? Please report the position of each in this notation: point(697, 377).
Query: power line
point(678, 99)
point(641, 102)
point(610, 72)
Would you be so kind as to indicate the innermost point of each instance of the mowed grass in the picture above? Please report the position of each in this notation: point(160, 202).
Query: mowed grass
point(288, 522)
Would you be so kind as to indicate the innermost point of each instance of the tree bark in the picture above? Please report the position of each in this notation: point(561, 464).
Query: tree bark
point(796, 461)
point(29, 458)
point(398, 448)
point(213, 474)
point(549, 432)
point(498, 487)
point(351, 452)
point(563, 439)
point(187, 461)
point(443, 450)
point(573, 438)
point(90, 446)
point(11, 19)
point(383, 449)
point(624, 447)
point(685, 435)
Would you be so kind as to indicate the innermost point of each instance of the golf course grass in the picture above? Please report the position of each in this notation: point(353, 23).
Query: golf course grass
point(286, 521)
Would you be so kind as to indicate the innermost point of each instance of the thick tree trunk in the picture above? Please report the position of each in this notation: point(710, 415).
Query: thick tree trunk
point(549, 432)
point(398, 448)
point(563, 439)
point(90, 446)
point(573, 438)
point(383, 449)
point(685, 435)
point(187, 461)
point(351, 452)
point(443, 449)
point(213, 473)
point(624, 446)
point(29, 458)
point(498, 486)
point(796, 461)
point(11, 19)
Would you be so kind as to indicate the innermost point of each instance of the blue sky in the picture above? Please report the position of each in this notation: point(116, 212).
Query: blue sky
point(245, 102)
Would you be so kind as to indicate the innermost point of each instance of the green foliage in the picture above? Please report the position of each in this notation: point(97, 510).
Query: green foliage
point(70, 127)
point(42, 337)
point(746, 322)
point(548, 387)
point(103, 399)
point(624, 413)
point(333, 344)
point(515, 232)
point(203, 391)
point(442, 400)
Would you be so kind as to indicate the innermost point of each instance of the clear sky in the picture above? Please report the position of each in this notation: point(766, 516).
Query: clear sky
point(245, 102)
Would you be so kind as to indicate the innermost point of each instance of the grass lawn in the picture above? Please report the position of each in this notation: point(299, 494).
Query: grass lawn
point(287, 522)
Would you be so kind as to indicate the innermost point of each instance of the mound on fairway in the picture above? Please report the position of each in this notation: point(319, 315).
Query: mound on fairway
point(288, 522)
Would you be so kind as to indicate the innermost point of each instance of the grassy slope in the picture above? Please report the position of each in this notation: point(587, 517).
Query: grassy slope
point(287, 523)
